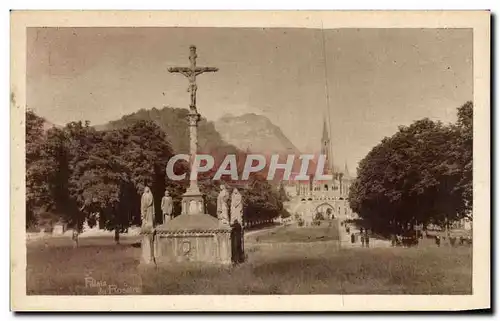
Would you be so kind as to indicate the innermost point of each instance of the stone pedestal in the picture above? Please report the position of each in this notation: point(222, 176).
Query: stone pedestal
point(189, 238)
point(147, 245)
point(193, 202)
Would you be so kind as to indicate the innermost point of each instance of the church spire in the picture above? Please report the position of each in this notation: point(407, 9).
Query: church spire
point(325, 136)
point(346, 170)
point(325, 147)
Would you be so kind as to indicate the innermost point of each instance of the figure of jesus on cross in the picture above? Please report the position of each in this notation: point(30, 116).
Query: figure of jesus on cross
point(190, 73)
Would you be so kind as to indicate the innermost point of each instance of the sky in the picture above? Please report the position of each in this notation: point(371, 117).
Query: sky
point(365, 82)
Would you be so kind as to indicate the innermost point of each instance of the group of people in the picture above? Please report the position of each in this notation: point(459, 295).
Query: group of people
point(399, 240)
point(363, 235)
point(406, 240)
point(453, 240)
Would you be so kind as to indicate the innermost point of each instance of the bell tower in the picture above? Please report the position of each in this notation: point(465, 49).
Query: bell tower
point(325, 148)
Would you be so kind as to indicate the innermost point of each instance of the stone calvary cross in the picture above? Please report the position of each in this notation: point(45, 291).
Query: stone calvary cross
point(190, 73)
point(192, 202)
point(193, 236)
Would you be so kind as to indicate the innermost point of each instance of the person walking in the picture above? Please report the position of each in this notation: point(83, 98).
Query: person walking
point(75, 237)
point(394, 240)
point(438, 240)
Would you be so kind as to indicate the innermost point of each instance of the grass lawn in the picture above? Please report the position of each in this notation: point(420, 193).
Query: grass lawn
point(58, 268)
point(272, 268)
point(293, 234)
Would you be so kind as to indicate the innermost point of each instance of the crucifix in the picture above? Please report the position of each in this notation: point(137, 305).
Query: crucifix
point(190, 73)
point(192, 200)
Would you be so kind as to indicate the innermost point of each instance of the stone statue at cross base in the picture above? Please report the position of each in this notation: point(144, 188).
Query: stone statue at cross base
point(147, 208)
point(222, 208)
point(167, 205)
point(236, 207)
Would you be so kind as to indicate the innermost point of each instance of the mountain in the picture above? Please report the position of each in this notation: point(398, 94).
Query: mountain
point(48, 125)
point(228, 135)
point(255, 133)
point(173, 121)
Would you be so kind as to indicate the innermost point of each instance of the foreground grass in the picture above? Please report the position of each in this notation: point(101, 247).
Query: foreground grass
point(272, 268)
point(315, 270)
point(55, 267)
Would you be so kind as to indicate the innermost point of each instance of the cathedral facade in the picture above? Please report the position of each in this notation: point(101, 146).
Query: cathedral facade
point(321, 199)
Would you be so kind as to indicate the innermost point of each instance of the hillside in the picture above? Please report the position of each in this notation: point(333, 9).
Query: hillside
point(229, 135)
point(48, 125)
point(255, 133)
point(174, 122)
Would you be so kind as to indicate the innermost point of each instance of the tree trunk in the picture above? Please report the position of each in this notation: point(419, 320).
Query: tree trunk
point(447, 230)
point(117, 236)
point(76, 232)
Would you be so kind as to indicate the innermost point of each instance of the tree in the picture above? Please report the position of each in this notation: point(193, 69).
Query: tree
point(75, 172)
point(210, 189)
point(50, 156)
point(104, 182)
point(261, 200)
point(282, 193)
point(37, 192)
point(463, 151)
point(413, 177)
point(120, 163)
point(146, 154)
point(79, 139)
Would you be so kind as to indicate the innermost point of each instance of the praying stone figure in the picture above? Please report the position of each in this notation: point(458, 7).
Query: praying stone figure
point(222, 208)
point(147, 208)
point(167, 207)
point(236, 207)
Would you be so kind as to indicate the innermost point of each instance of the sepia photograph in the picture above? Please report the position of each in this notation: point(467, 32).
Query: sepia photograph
point(314, 160)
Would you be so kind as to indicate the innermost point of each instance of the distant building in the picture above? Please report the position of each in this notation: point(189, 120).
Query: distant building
point(330, 198)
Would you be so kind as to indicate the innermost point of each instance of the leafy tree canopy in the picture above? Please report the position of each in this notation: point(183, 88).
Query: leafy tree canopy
point(420, 175)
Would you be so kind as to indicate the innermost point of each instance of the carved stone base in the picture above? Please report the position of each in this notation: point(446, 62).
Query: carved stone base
point(147, 246)
point(196, 238)
point(193, 202)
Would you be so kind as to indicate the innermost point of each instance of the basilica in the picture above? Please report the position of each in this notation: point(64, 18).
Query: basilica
point(321, 199)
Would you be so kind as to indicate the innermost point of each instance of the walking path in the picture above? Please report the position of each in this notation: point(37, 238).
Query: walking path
point(345, 239)
point(264, 229)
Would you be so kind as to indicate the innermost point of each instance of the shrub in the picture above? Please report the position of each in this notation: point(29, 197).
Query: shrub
point(319, 216)
point(285, 214)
